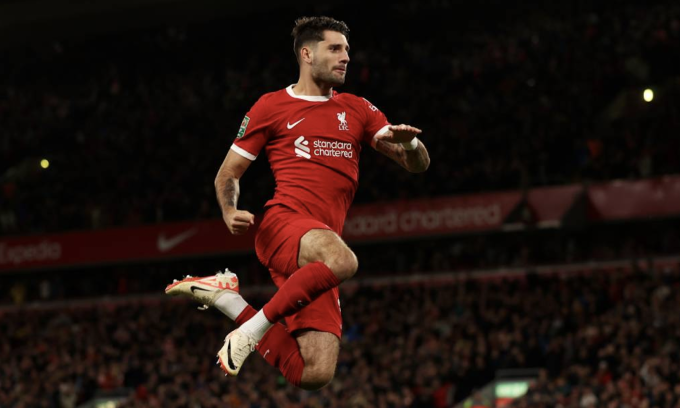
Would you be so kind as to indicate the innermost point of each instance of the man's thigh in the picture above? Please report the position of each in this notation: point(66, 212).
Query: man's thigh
point(279, 243)
point(279, 238)
point(321, 245)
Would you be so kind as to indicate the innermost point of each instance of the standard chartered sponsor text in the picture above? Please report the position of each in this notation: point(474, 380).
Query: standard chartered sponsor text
point(333, 149)
point(391, 222)
point(19, 254)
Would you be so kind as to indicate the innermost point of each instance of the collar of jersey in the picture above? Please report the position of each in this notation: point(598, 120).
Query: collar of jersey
point(307, 97)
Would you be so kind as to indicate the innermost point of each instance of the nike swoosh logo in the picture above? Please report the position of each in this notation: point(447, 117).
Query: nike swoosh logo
point(229, 360)
point(165, 244)
point(289, 126)
point(195, 288)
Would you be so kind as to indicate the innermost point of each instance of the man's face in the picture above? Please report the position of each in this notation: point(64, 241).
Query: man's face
point(330, 59)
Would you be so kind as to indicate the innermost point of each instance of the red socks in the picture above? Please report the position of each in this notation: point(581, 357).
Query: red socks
point(301, 288)
point(278, 348)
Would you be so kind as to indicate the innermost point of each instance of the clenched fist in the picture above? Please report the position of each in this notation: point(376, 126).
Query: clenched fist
point(238, 221)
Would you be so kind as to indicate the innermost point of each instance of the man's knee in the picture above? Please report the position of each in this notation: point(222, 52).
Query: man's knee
point(315, 378)
point(327, 247)
point(344, 264)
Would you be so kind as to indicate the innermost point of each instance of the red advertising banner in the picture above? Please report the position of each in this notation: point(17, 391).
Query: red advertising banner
point(635, 199)
point(478, 212)
point(121, 244)
point(163, 241)
point(372, 222)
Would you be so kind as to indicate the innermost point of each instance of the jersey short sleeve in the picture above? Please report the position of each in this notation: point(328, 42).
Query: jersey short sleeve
point(253, 133)
point(376, 122)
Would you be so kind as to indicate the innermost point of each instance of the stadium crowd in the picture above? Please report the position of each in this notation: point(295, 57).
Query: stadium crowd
point(135, 125)
point(608, 339)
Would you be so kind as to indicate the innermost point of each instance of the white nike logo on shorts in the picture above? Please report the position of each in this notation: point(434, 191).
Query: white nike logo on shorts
point(289, 126)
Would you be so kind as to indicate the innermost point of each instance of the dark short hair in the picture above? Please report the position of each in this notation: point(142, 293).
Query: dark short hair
point(310, 29)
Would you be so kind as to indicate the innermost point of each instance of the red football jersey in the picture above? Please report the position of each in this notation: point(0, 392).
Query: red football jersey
point(313, 145)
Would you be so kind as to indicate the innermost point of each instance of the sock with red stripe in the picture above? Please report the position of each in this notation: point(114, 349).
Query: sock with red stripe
point(278, 348)
point(299, 290)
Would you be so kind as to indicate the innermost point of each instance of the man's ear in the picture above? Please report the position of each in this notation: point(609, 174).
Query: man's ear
point(306, 54)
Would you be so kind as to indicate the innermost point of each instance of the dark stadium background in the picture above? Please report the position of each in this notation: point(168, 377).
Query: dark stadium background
point(535, 264)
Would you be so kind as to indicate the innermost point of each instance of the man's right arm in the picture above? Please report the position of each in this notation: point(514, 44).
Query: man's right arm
point(227, 189)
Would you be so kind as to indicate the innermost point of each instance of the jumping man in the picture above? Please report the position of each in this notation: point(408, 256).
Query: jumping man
point(312, 136)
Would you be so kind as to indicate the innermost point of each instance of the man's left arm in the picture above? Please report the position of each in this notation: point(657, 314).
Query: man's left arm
point(400, 144)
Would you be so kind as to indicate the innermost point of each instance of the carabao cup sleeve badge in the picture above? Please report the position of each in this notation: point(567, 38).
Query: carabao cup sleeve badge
point(242, 129)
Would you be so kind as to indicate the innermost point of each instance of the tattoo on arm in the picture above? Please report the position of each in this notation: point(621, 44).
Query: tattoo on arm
point(227, 190)
point(230, 192)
